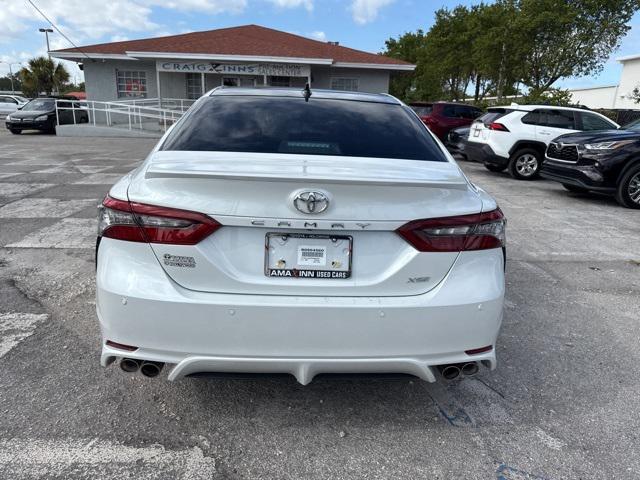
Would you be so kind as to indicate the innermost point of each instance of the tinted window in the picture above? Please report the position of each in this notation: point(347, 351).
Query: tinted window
point(290, 125)
point(634, 125)
point(532, 118)
point(449, 111)
point(422, 111)
point(40, 104)
point(464, 111)
point(558, 119)
point(594, 122)
point(493, 114)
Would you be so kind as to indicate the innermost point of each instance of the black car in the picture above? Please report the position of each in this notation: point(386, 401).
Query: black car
point(40, 114)
point(456, 141)
point(606, 161)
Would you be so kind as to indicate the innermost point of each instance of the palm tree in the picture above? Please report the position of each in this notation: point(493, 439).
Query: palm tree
point(42, 74)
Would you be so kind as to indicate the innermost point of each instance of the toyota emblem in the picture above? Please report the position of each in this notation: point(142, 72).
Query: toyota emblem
point(309, 202)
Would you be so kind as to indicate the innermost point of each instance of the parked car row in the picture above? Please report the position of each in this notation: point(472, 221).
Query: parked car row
point(581, 149)
point(40, 114)
point(11, 103)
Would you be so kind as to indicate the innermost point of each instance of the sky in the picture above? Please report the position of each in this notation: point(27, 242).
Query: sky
point(360, 24)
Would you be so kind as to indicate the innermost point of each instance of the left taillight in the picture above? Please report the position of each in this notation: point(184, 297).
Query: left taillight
point(480, 231)
point(138, 222)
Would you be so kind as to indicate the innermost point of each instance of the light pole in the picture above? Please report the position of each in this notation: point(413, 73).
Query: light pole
point(13, 90)
point(46, 32)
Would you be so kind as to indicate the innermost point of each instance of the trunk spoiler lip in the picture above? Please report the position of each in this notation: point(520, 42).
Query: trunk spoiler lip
point(327, 169)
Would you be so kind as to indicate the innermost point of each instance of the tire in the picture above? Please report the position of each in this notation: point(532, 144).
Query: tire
point(15, 131)
point(628, 190)
point(525, 164)
point(494, 168)
point(574, 188)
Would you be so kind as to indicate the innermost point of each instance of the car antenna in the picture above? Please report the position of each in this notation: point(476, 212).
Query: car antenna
point(306, 92)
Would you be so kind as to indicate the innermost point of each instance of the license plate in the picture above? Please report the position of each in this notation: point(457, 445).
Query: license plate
point(302, 255)
point(476, 132)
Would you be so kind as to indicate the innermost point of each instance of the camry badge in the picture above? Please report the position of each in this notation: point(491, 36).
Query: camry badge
point(309, 202)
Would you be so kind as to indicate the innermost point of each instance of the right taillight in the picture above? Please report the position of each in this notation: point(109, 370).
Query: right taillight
point(498, 127)
point(479, 231)
point(137, 222)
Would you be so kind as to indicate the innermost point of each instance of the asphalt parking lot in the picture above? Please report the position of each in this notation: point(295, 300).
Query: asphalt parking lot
point(563, 403)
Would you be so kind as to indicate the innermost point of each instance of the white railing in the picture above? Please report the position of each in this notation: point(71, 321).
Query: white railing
point(180, 104)
point(145, 115)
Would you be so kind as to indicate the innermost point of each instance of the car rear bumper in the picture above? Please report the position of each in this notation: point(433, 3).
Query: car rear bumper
point(199, 332)
point(577, 175)
point(483, 153)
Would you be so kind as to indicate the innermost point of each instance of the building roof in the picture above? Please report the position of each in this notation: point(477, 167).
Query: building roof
point(247, 42)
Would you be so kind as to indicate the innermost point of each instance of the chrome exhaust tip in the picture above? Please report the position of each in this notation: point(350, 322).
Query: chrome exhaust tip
point(129, 365)
point(151, 369)
point(449, 372)
point(469, 369)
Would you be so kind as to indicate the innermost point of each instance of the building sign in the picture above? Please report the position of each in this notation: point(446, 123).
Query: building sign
point(271, 69)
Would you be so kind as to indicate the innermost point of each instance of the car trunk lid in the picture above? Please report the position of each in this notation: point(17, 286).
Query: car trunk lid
point(252, 195)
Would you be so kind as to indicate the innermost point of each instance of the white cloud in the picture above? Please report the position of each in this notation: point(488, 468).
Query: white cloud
point(94, 19)
point(204, 6)
point(91, 21)
point(366, 11)
point(308, 4)
point(318, 35)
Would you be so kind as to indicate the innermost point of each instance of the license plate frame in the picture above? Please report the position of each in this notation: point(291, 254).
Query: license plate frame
point(309, 273)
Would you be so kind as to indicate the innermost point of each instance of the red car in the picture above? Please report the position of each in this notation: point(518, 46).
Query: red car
point(441, 117)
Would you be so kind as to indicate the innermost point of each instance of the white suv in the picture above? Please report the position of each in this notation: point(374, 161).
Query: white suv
point(517, 136)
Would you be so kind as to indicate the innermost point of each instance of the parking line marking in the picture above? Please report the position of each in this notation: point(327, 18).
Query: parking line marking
point(100, 459)
point(100, 179)
point(67, 233)
point(20, 189)
point(8, 174)
point(15, 327)
point(86, 169)
point(44, 208)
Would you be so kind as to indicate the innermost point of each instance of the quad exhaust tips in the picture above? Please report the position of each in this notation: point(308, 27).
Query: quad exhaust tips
point(151, 369)
point(452, 371)
point(148, 369)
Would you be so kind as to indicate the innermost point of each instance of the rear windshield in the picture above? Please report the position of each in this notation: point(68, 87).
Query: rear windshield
point(262, 124)
point(422, 110)
point(493, 114)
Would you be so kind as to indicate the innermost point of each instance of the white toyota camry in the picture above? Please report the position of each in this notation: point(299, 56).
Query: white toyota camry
point(303, 233)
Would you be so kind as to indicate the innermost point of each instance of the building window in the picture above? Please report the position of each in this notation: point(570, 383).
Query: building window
point(348, 84)
point(239, 81)
point(131, 84)
point(194, 86)
point(231, 81)
point(280, 81)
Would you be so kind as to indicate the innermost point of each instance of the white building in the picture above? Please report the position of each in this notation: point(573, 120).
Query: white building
point(613, 96)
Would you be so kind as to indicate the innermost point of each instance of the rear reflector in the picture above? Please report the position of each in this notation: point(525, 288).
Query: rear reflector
point(480, 231)
point(137, 222)
point(476, 351)
point(121, 346)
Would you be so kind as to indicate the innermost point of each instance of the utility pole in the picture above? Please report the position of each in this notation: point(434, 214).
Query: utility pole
point(46, 32)
point(13, 90)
